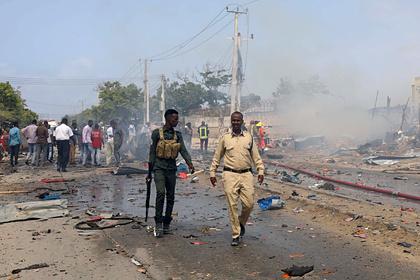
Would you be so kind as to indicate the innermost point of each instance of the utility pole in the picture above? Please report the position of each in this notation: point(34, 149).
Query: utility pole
point(146, 95)
point(162, 98)
point(376, 102)
point(236, 85)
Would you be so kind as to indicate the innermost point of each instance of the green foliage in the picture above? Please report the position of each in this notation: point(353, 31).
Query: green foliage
point(185, 96)
point(213, 81)
point(13, 107)
point(115, 102)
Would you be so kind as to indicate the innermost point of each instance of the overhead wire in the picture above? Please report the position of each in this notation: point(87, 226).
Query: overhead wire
point(131, 69)
point(185, 43)
point(222, 61)
point(198, 45)
point(250, 2)
point(62, 81)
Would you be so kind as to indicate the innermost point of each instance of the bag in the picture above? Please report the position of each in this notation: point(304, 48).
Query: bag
point(167, 149)
point(271, 202)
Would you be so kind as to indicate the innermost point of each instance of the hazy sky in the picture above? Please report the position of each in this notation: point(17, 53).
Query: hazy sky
point(356, 47)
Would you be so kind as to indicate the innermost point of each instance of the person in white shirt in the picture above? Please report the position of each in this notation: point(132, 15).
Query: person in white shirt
point(87, 143)
point(109, 145)
point(62, 134)
point(50, 144)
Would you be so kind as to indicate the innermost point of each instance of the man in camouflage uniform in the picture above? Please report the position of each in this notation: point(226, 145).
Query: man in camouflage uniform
point(166, 143)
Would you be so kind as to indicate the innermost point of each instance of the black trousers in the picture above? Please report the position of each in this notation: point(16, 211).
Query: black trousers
point(205, 143)
point(165, 181)
point(14, 154)
point(63, 147)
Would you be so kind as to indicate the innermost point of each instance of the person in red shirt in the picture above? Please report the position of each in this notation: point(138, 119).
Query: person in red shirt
point(97, 143)
point(4, 139)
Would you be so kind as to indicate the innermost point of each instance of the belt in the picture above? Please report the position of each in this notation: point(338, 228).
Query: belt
point(237, 171)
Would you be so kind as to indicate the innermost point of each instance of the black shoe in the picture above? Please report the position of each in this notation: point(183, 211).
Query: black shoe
point(167, 229)
point(64, 170)
point(242, 230)
point(27, 162)
point(235, 242)
point(158, 232)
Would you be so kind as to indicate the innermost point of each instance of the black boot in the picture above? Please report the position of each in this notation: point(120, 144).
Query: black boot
point(167, 225)
point(158, 232)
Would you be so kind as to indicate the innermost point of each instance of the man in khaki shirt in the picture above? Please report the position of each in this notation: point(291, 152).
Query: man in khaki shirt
point(240, 153)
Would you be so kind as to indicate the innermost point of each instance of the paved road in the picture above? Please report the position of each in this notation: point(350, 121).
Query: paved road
point(410, 185)
point(267, 248)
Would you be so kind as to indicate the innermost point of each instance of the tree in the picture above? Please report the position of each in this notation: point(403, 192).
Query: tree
point(13, 106)
point(284, 89)
point(212, 81)
point(115, 102)
point(311, 86)
point(185, 96)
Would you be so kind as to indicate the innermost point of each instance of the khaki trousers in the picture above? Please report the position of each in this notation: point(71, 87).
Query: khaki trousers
point(109, 152)
point(72, 154)
point(239, 186)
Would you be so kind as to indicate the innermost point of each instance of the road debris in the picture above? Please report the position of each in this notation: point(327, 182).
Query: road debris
point(136, 262)
point(271, 202)
point(297, 270)
point(295, 193)
point(190, 236)
point(48, 196)
point(98, 223)
point(290, 178)
point(403, 178)
point(198, 243)
point(34, 266)
point(407, 209)
point(312, 197)
point(126, 170)
point(56, 180)
point(405, 244)
point(360, 233)
point(297, 210)
point(33, 210)
point(296, 255)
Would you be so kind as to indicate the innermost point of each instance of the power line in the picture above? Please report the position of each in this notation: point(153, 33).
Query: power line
point(250, 2)
point(196, 46)
point(182, 45)
point(223, 60)
point(55, 81)
point(131, 69)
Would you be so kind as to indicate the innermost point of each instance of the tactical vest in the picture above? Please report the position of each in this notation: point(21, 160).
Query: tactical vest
point(203, 132)
point(167, 149)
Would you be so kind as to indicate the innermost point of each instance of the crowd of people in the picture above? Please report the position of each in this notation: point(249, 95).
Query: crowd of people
point(92, 141)
point(161, 146)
